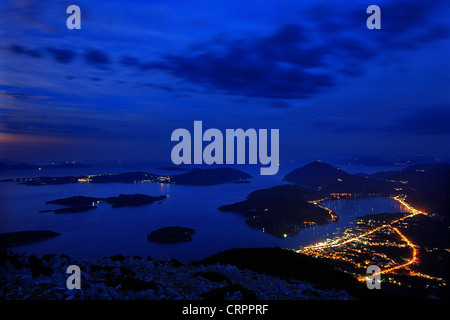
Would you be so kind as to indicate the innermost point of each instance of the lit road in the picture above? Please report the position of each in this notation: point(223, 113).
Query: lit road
point(344, 240)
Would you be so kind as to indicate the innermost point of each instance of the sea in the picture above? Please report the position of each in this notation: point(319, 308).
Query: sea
point(108, 231)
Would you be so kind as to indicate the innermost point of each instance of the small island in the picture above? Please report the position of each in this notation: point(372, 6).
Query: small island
point(19, 238)
point(282, 211)
point(74, 201)
point(74, 209)
point(82, 204)
point(171, 234)
point(132, 200)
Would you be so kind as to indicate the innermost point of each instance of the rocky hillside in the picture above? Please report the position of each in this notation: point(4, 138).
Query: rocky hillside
point(135, 278)
point(326, 178)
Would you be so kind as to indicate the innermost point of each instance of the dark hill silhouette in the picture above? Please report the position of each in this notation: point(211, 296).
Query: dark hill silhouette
point(287, 264)
point(414, 172)
point(427, 186)
point(282, 210)
point(171, 234)
point(324, 177)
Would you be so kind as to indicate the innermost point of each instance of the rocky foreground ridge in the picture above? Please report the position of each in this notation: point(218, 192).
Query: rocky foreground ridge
point(25, 276)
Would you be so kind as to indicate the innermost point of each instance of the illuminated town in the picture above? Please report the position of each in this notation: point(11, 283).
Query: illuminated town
point(379, 240)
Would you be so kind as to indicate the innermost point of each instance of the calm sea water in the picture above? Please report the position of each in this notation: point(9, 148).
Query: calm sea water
point(107, 231)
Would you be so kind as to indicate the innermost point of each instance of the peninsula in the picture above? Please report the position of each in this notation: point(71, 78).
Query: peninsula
point(282, 211)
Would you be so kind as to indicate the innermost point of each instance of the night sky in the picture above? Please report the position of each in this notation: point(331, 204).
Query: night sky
point(137, 70)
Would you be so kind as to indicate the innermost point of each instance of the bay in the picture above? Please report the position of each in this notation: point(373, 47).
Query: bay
point(107, 231)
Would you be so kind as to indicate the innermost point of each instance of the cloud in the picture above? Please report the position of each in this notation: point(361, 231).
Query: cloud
point(297, 61)
point(290, 44)
point(292, 61)
point(22, 96)
point(427, 121)
point(408, 25)
point(61, 55)
point(278, 66)
point(403, 16)
point(96, 58)
point(273, 67)
point(342, 124)
point(36, 125)
point(129, 61)
point(19, 49)
point(279, 104)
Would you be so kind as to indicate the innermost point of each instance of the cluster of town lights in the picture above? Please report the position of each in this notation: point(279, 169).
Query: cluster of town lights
point(315, 249)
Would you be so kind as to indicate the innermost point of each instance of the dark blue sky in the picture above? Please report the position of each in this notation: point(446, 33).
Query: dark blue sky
point(137, 70)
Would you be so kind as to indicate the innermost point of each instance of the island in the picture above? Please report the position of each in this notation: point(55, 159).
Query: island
point(74, 209)
point(132, 200)
point(83, 204)
point(19, 238)
point(282, 211)
point(25, 166)
point(195, 177)
point(74, 201)
point(171, 234)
